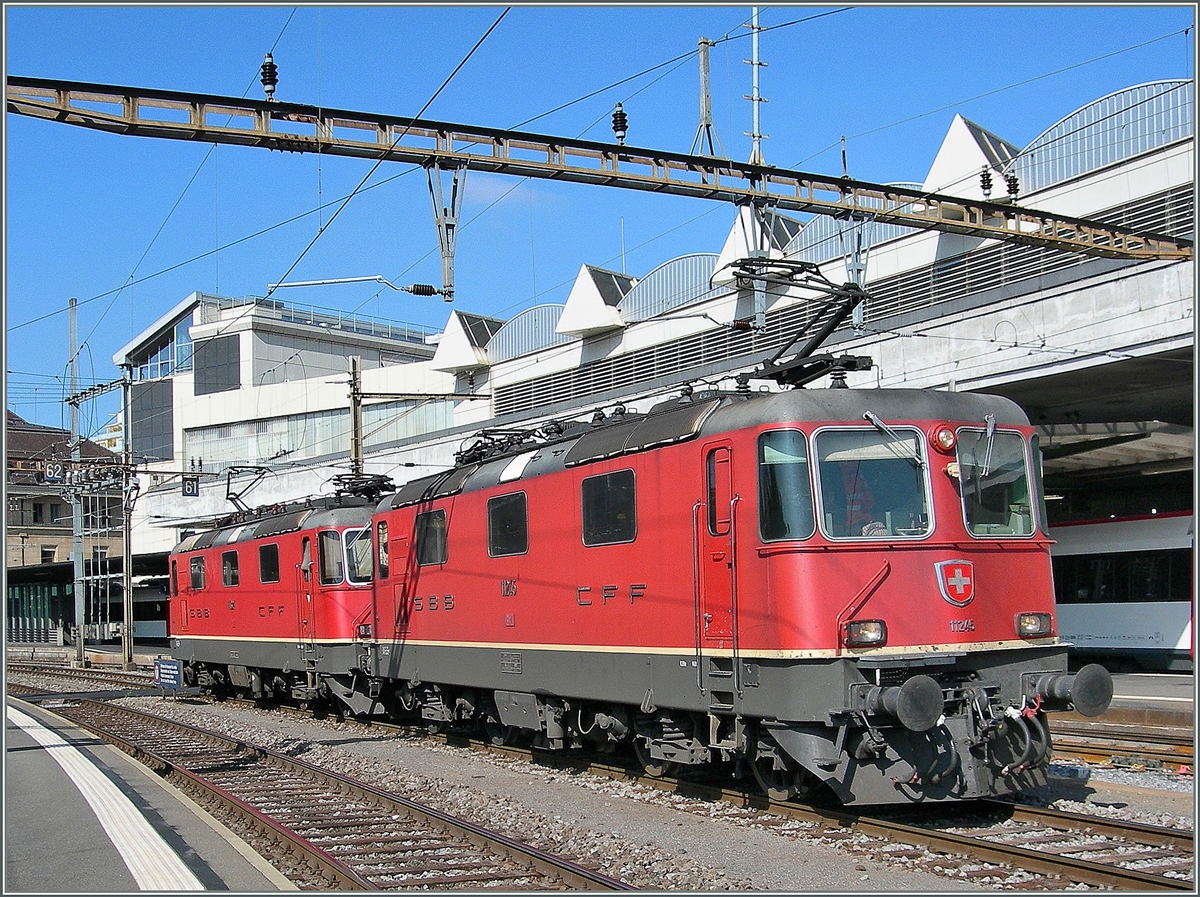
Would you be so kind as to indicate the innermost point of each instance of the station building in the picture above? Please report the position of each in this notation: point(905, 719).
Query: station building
point(249, 397)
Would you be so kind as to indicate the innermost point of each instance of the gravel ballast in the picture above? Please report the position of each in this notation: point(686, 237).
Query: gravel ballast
point(651, 839)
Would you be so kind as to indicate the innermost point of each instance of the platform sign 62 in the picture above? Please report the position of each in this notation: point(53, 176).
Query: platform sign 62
point(54, 472)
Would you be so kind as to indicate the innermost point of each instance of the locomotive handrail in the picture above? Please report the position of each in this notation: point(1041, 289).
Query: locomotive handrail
point(696, 591)
point(733, 591)
point(855, 604)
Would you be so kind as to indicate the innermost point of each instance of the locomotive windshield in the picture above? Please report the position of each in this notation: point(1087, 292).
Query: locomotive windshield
point(785, 505)
point(358, 555)
point(872, 484)
point(994, 481)
point(355, 565)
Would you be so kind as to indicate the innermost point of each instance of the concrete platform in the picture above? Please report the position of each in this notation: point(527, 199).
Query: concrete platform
point(82, 817)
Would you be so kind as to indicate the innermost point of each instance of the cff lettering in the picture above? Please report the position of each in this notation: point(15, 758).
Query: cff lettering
point(609, 593)
point(270, 610)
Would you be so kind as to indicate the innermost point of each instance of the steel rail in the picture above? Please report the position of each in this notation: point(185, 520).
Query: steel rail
point(295, 127)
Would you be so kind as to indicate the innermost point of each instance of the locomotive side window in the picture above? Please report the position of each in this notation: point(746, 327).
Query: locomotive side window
point(431, 538)
point(196, 572)
point(306, 558)
point(358, 555)
point(872, 484)
point(609, 508)
point(268, 563)
point(229, 568)
point(994, 482)
point(329, 554)
point(174, 578)
point(785, 502)
point(508, 525)
point(381, 536)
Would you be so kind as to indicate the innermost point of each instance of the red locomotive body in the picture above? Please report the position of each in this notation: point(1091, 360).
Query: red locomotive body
point(281, 590)
point(846, 588)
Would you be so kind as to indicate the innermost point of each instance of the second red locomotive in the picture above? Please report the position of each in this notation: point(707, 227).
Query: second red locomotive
point(844, 589)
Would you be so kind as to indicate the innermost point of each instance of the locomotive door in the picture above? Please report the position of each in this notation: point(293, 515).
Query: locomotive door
point(716, 568)
point(397, 615)
point(305, 628)
point(716, 549)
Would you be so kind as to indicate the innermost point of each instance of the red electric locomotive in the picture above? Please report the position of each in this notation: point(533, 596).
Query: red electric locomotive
point(840, 588)
point(271, 601)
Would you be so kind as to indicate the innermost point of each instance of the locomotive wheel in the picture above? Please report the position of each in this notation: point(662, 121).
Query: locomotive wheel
point(777, 784)
point(498, 733)
point(651, 766)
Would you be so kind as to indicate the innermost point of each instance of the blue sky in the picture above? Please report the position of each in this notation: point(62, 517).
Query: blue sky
point(131, 226)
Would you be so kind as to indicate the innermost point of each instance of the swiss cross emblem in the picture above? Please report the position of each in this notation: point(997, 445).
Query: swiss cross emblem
point(956, 580)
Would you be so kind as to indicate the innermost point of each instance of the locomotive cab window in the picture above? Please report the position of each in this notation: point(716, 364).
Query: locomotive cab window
point(785, 502)
point(431, 538)
point(196, 572)
point(873, 484)
point(229, 568)
point(174, 578)
point(268, 563)
point(609, 508)
point(508, 525)
point(993, 479)
point(381, 537)
point(329, 555)
point(358, 555)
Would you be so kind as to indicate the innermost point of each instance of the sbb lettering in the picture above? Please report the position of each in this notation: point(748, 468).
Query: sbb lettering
point(433, 602)
point(198, 613)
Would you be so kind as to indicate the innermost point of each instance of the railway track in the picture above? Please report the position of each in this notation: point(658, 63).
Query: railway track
point(1147, 747)
point(1020, 847)
point(322, 830)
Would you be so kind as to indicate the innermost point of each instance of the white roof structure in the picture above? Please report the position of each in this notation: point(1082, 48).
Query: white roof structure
point(463, 346)
point(592, 305)
point(966, 151)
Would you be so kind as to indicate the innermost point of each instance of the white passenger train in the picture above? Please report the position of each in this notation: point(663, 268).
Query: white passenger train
point(1125, 590)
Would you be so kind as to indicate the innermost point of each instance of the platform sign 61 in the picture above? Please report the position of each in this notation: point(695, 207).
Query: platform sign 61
point(168, 673)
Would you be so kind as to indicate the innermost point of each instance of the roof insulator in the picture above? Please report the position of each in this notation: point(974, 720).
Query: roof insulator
point(270, 77)
point(620, 124)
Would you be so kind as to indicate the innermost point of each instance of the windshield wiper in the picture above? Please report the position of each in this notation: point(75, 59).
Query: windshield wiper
point(990, 420)
point(897, 440)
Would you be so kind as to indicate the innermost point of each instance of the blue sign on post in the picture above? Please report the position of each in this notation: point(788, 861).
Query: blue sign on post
point(168, 673)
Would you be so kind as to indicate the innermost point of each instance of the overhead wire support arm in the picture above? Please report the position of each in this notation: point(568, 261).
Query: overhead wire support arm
point(194, 117)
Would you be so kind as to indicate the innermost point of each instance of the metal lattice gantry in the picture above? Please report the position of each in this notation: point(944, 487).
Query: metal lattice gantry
point(294, 127)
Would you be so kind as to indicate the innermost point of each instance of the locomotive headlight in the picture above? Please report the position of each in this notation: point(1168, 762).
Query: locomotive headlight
point(864, 634)
point(1034, 624)
point(943, 438)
